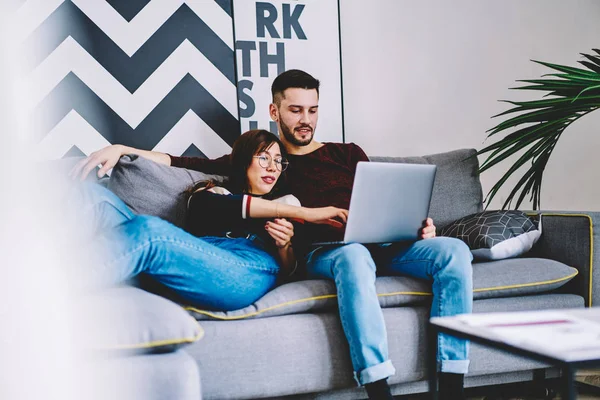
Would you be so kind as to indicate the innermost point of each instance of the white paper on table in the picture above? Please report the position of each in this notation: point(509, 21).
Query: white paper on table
point(556, 333)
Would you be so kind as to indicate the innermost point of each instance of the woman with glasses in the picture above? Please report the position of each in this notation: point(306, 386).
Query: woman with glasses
point(238, 240)
point(257, 165)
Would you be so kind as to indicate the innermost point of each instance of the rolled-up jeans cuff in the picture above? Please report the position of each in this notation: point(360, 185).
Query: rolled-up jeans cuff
point(455, 366)
point(375, 373)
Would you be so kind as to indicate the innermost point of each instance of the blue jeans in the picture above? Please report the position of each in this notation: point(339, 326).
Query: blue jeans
point(446, 262)
point(210, 272)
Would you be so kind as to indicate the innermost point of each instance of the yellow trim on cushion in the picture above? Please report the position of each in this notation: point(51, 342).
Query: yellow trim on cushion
point(289, 303)
point(166, 342)
point(521, 285)
point(332, 296)
point(591, 245)
point(404, 293)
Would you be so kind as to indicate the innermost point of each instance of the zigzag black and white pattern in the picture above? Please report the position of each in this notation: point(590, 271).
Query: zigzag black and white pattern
point(154, 74)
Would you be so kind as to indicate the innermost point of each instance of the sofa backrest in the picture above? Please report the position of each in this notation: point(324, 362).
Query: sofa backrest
point(149, 188)
point(457, 189)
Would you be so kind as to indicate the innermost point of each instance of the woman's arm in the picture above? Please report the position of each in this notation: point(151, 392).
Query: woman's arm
point(226, 211)
point(282, 231)
point(288, 262)
point(261, 208)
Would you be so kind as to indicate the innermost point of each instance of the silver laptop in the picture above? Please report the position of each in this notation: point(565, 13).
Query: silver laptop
point(389, 202)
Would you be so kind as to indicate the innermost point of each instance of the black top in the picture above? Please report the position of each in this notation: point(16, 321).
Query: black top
point(212, 214)
point(225, 215)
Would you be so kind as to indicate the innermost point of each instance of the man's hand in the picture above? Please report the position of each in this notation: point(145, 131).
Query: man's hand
point(107, 157)
point(281, 230)
point(428, 230)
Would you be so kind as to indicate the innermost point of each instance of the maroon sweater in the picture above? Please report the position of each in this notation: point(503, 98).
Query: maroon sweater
point(318, 179)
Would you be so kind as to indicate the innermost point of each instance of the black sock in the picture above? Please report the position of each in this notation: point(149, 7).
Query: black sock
point(452, 386)
point(379, 390)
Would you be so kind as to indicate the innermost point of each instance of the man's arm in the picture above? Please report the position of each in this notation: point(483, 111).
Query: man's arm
point(110, 155)
point(357, 154)
point(108, 158)
point(157, 157)
point(217, 166)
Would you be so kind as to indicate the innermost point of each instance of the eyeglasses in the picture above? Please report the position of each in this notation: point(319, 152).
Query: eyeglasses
point(264, 160)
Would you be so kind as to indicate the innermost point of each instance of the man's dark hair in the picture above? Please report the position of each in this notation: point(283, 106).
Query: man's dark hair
point(293, 78)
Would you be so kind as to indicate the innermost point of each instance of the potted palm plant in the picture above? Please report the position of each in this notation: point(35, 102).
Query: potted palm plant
point(571, 94)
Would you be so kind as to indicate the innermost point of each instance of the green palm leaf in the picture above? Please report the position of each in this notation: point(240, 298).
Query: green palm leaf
point(571, 71)
point(594, 59)
point(592, 66)
point(571, 94)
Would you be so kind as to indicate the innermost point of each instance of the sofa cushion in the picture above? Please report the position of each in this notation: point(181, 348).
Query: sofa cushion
point(495, 235)
point(172, 376)
point(513, 277)
point(132, 320)
point(457, 190)
point(518, 277)
point(150, 188)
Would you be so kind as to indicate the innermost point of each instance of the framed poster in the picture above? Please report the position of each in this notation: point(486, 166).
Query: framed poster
point(274, 36)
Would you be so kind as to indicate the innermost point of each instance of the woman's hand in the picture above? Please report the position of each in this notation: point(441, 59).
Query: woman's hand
point(281, 230)
point(325, 215)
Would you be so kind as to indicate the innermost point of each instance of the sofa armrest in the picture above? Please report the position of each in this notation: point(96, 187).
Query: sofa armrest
point(571, 238)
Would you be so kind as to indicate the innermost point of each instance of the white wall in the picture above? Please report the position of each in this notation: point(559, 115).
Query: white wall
point(423, 77)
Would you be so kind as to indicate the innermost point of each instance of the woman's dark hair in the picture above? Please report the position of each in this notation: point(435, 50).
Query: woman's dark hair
point(244, 149)
point(242, 155)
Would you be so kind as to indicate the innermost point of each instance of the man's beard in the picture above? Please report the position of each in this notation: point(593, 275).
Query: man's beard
point(289, 135)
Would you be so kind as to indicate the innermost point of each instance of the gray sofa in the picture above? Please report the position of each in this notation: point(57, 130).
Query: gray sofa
point(290, 343)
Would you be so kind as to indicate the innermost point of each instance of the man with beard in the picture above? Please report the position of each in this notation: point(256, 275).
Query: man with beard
point(322, 174)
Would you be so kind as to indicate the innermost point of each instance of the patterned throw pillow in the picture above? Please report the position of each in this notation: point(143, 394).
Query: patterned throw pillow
point(495, 235)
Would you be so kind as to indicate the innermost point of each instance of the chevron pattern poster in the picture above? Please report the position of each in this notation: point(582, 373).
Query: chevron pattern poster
point(158, 74)
point(274, 36)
